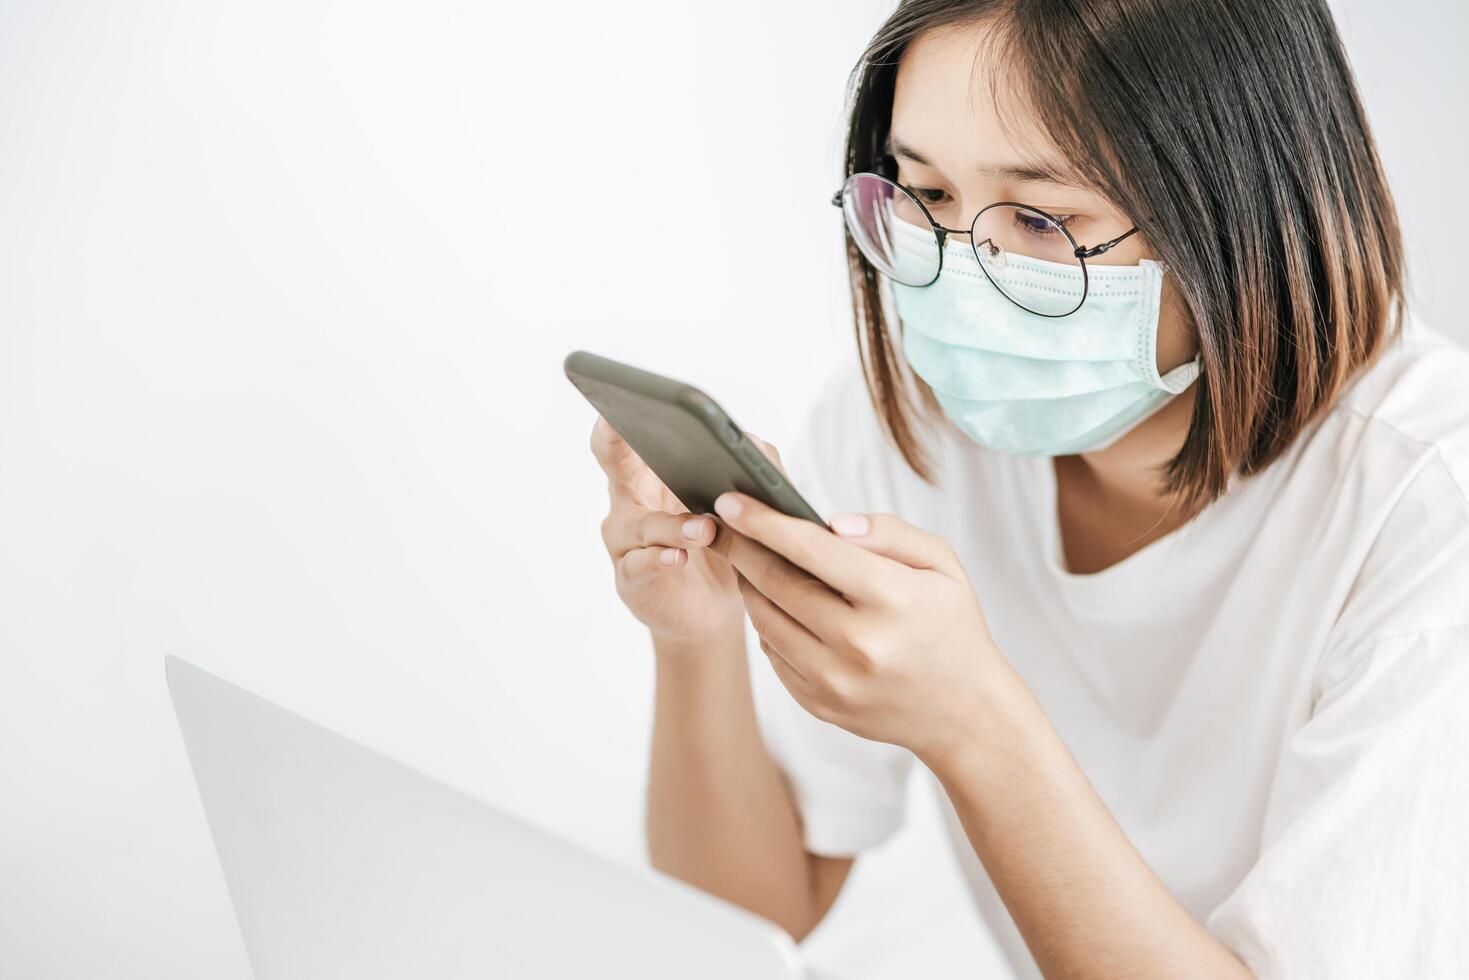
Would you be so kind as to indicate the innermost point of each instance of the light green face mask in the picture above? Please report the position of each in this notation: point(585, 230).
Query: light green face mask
point(1023, 383)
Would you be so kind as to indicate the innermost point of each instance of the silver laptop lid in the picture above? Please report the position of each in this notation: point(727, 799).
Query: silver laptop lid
point(343, 863)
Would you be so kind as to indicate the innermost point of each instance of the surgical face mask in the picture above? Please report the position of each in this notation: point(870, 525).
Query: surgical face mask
point(1023, 383)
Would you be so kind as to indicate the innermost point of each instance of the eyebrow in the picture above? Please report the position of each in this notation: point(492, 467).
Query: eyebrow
point(1025, 173)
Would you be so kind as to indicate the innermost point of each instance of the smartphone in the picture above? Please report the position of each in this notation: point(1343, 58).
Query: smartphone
point(683, 435)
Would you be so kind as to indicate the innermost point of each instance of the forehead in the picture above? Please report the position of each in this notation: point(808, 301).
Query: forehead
point(958, 101)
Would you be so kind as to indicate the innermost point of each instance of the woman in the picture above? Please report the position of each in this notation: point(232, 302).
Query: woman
point(1154, 544)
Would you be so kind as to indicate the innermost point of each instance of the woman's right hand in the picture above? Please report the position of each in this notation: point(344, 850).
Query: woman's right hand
point(666, 573)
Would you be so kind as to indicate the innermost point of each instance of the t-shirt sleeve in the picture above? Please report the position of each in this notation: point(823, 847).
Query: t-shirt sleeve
point(1363, 869)
point(849, 790)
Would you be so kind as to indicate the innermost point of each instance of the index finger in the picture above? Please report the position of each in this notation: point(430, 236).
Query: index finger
point(806, 600)
point(855, 572)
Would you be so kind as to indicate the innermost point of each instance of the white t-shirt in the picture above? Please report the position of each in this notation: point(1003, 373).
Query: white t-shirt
point(1273, 700)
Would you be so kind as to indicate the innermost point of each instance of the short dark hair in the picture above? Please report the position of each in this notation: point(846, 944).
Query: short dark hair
point(1232, 135)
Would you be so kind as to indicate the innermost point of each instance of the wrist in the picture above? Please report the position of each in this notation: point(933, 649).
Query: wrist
point(1002, 728)
point(690, 672)
point(719, 643)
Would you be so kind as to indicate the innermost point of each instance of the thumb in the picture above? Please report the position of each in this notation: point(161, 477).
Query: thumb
point(895, 538)
point(618, 460)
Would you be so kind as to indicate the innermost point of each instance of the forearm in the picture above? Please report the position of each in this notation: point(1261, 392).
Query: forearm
point(719, 814)
point(1085, 901)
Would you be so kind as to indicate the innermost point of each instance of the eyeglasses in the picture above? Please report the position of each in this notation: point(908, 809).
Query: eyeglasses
point(1027, 254)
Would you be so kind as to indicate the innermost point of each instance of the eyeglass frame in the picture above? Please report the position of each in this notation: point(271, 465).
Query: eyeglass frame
point(941, 234)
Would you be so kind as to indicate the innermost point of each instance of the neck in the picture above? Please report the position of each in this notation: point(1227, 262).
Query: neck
point(1112, 502)
point(1131, 469)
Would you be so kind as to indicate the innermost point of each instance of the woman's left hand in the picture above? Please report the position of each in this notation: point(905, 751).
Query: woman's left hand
point(871, 625)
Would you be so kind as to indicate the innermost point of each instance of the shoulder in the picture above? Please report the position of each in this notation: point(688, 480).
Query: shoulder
point(1403, 478)
point(1415, 400)
point(842, 454)
point(841, 403)
point(840, 425)
point(1394, 451)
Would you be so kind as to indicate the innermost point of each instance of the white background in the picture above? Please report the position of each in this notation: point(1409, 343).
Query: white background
point(284, 292)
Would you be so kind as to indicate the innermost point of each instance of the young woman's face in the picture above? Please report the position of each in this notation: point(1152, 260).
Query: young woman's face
point(957, 157)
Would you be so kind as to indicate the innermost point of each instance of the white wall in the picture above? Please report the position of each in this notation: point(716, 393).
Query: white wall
point(1414, 78)
point(284, 289)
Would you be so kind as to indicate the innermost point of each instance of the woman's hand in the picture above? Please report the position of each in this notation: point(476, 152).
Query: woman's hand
point(666, 574)
point(875, 628)
point(871, 625)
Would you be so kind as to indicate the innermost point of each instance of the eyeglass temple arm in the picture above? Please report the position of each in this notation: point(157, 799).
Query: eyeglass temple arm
point(836, 199)
point(1095, 250)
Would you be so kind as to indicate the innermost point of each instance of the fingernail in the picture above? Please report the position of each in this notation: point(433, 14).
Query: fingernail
point(693, 527)
point(727, 506)
point(851, 525)
point(668, 556)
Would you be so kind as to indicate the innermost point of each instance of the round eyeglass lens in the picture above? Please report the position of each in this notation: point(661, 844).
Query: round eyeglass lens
point(891, 229)
point(1030, 258)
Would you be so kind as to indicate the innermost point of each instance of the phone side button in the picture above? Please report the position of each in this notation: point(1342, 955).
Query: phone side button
point(768, 475)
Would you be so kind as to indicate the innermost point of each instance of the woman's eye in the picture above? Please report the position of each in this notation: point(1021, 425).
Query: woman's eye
point(1034, 224)
point(928, 195)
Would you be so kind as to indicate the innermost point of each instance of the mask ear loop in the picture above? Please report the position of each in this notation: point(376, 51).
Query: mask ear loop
point(1178, 379)
point(1182, 376)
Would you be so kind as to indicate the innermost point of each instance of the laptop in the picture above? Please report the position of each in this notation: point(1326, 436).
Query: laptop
point(343, 863)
